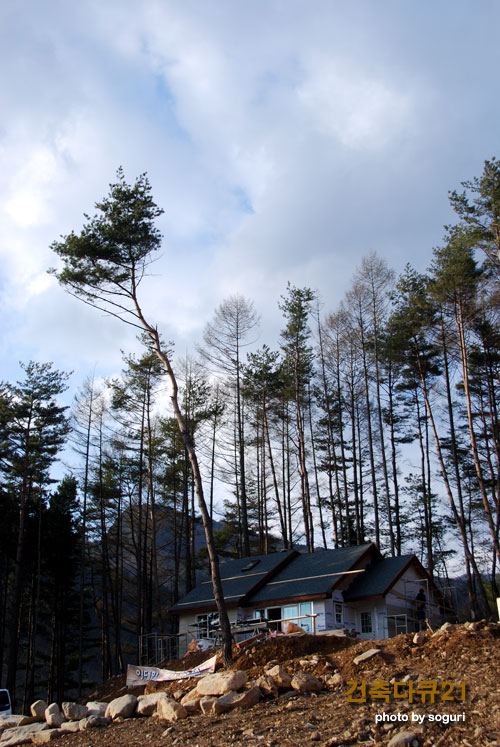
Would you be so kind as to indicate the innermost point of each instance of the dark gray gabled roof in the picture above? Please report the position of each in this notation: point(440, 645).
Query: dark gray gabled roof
point(310, 574)
point(378, 578)
point(239, 578)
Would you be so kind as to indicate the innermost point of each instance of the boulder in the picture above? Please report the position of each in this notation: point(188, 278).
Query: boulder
point(306, 683)
point(170, 710)
point(267, 685)
point(25, 720)
point(147, 704)
point(191, 701)
point(280, 676)
point(54, 716)
point(16, 720)
point(96, 708)
point(366, 655)
point(7, 722)
point(70, 726)
point(22, 734)
point(46, 736)
point(220, 683)
point(244, 699)
point(122, 707)
point(419, 638)
point(38, 709)
point(74, 711)
point(93, 722)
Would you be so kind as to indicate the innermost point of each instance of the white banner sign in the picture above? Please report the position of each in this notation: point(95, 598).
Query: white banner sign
point(142, 675)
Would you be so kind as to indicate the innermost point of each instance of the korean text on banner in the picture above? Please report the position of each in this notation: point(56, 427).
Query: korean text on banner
point(137, 675)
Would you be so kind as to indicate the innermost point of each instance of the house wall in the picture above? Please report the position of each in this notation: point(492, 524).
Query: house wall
point(395, 613)
point(190, 619)
point(356, 611)
point(398, 602)
point(401, 599)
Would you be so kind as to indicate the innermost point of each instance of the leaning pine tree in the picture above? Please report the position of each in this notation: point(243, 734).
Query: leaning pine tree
point(104, 266)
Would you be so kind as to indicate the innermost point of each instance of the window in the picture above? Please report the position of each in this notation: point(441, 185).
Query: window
point(294, 611)
point(338, 611)
point(366, 622)
point(250, 565)
point(205, 622)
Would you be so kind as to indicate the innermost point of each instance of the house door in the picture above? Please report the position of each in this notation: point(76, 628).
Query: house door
point(274, 613)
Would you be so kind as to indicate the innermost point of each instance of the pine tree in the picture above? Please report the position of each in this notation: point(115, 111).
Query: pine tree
point(104, 266)
point(33, 429)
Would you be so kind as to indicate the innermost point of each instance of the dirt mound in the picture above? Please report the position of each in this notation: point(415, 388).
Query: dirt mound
point(283, 648)
point(467, 654)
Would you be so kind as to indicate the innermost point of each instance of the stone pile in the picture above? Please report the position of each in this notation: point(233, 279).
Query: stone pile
point(212, 694)
point(47, 722)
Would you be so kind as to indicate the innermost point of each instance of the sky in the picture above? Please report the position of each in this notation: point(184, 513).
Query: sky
point(285, 140)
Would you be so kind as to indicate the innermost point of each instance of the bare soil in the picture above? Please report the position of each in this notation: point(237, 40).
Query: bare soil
point(328, 718)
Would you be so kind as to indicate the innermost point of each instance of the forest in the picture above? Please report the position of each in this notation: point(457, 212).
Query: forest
point(377, 420)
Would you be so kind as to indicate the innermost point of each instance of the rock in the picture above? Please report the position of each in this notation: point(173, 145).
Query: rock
point(53, 715)
point(147, 704)
point(419, 638)
point(207, 703)
point(366, 655)
point(8, 722)
point(445, 628)
point(46, 736)
point(94, 722)
point(74, 711)
point(267, 685)
point(405, 739)
point(16, 720)
point(223, 682)
point(336, 680)
point(471, 625)
point(22, 734)
point(271, 664)
point(96, 708)
point(71, 726)
point(191, 701)
point(280, 676)
point(245, 699)
point(179, 694)
point(122, 707)
point(170, 710)
point(306, 683)
point(38, 709)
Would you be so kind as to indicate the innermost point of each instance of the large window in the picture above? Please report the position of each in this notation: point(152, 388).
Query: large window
point(294, 611)
point(366, 622)
point(204, 623)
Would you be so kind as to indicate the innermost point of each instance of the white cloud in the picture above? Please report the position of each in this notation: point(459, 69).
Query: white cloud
point(353, 106)
point(284, 141)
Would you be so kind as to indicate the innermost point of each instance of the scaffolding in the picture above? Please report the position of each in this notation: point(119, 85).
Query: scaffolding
point(155, 649)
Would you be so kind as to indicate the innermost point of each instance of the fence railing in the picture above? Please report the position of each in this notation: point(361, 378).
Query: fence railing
point(155, 648)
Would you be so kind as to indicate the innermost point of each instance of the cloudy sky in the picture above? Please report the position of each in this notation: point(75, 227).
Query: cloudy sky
point(285, 139)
